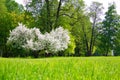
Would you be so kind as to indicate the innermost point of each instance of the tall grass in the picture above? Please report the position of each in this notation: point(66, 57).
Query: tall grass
point(64, 68)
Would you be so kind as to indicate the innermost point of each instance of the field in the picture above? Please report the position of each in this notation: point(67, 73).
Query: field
point(60, 68)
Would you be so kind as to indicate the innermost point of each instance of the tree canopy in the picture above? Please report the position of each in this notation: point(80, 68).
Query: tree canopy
point(89, 34)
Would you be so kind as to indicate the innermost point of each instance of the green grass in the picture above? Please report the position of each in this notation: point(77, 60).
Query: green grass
point(64, 68)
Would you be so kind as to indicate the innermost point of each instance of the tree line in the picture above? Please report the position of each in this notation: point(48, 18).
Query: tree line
point(90, 35)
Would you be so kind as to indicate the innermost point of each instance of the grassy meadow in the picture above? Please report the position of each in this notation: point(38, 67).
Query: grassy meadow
point(60, 68)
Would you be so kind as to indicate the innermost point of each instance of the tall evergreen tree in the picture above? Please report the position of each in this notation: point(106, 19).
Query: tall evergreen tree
point(109, 29)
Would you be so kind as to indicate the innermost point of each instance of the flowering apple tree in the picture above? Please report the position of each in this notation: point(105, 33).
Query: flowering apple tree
point(33, 39)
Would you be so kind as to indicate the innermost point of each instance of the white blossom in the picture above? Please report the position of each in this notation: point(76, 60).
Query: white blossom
point(33, 39)
point(18, 36)
point(57, 40)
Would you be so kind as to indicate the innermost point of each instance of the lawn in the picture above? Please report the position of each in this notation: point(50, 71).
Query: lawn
point(60, 68)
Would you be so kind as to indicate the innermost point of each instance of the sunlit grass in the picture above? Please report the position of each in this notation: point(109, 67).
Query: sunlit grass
point(64, 68)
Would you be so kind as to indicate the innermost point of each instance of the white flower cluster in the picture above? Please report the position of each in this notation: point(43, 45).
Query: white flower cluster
point(57, 40)
point(33, 39)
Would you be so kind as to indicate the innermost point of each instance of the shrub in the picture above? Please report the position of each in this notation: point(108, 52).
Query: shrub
point(31, 39)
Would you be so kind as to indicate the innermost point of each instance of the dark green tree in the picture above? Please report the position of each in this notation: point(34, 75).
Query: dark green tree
point(9, 19)
point(110, 28)
point(13, 6)
point(44, 13)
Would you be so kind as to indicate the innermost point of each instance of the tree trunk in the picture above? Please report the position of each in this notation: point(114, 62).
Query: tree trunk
point(92, 37)
point(49, 26)
point(86, 41)
point(57, 14)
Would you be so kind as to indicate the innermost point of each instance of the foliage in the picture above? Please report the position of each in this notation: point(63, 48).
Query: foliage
point(117, 45)
point(13, 6)
point(80, 30)
point(22, 37)
point(110, 29)
point(8, 20)
point(87, 32)
point(71, 47)
point(3, 8)
point(71, 17)
point(44, 16)
point(7, 23)
point(72, 68)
